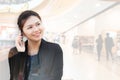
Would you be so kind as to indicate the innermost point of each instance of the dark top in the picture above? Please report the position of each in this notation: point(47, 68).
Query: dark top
point(34, 68)
point(48, 62)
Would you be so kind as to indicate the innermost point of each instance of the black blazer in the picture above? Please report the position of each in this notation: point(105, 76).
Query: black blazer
point(50, 57)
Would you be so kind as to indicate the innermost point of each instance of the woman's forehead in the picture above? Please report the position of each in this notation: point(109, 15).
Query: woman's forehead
point(32, 20)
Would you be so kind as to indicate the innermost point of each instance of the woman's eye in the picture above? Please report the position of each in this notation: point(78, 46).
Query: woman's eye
point(29, 27)
point(38, 24)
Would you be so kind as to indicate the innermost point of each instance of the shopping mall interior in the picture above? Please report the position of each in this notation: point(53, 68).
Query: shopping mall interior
point(80, 27)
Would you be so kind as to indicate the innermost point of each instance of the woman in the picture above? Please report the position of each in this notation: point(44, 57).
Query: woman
point(34, 59)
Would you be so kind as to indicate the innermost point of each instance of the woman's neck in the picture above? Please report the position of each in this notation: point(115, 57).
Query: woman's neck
point(33, 47)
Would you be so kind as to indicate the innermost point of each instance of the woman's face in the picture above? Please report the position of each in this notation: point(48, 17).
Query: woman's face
point(33, 28)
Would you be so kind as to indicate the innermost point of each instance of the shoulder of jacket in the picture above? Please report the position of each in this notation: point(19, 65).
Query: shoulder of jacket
point(50, 45)
point(53, 44)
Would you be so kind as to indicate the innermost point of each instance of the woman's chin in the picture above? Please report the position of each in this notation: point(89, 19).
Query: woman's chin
point(37, 39)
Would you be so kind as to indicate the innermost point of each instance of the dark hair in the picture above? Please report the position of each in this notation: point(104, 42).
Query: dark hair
point(24, 16)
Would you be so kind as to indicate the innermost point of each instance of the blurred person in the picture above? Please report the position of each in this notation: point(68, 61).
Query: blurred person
point(34, 59)
point(109, 45)
point(99, 42)
point(76, 45)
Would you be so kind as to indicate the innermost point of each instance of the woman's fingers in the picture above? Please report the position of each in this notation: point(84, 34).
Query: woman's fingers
point(20, 45)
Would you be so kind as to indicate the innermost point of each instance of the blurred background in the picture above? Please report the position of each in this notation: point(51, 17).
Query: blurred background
point(87, 30)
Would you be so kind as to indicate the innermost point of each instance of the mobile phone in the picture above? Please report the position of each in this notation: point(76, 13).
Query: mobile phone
point(22, 36)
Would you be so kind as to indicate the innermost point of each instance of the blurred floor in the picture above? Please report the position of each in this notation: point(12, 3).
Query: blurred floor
point(84, 66)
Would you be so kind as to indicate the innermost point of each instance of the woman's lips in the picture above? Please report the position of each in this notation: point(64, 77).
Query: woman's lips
point(37, 34)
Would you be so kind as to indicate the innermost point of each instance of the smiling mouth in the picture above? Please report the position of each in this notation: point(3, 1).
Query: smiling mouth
point(37, 34)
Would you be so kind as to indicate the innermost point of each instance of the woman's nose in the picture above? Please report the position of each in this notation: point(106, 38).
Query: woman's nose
point(36, 28)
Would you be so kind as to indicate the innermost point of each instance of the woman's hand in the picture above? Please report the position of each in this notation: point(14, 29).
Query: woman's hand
point(20, 45)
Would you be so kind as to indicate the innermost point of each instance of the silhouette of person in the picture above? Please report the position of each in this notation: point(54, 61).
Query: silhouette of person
point(75, 45)
point(80, 46)
point(99, 42)
point(108, 45)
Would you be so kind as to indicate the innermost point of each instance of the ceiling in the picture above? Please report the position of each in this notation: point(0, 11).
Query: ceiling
point(58, 15)
point(64, 17)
